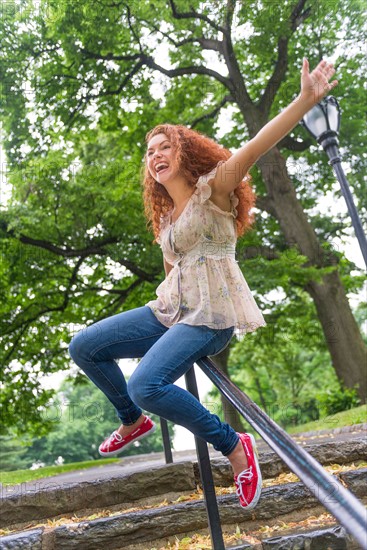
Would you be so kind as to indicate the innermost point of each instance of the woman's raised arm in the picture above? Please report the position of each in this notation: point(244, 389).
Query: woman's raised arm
point(314, 86)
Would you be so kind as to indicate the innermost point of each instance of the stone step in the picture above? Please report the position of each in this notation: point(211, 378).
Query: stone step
point(20, 506)
point(330, 538)
point(152, 528)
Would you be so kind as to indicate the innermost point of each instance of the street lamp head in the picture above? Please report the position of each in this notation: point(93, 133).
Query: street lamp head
point(323, 121)
point(323, 117)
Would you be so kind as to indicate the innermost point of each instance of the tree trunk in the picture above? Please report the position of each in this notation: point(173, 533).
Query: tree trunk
point(231, 415)
point(347, 349)
point(343, 338)
point(259, 389)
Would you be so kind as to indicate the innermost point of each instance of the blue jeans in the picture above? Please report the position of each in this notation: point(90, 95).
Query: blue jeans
point(167, 354)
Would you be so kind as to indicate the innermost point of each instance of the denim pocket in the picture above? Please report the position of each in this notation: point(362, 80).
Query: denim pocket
point(223, 339)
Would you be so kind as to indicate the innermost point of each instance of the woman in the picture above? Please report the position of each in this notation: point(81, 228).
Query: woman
point(198, 202)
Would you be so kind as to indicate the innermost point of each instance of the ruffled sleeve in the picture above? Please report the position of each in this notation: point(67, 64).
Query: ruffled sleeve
point(204, 191)
point(234, 203)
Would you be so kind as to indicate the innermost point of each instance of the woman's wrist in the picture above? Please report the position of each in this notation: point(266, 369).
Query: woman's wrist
point(306, 100)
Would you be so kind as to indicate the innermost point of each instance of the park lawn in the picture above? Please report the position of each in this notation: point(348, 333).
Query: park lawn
point(357, 415)
point(21, 476)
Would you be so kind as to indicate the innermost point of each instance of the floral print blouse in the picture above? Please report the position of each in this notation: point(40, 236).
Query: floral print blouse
point(206, 285)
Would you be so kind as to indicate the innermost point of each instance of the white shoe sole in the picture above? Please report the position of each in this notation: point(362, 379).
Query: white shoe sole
point(128, 445)
point(255, 500)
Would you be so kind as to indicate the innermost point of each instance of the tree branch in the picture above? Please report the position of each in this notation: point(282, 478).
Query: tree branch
point(112, 5)
point(296, 18)
point(210, 44)
point(109, 56)
point(195, 15)
point(251, 113)
point(276, 78)
point(265, 203)
point(93, 249)
point(137, 38)
point(180, 71)
point(205, 43)
point(149, 62)
point(213, 113)
point(89, 96)
point(111, 308)
point(24, 323)
point(251, 252)
point(231, 4)
point(137, 271)
point(63, 75)
point(293, 145)
point(14, 342)
point(298, 15)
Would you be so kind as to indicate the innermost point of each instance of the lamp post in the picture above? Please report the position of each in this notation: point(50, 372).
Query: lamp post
point(323, 122)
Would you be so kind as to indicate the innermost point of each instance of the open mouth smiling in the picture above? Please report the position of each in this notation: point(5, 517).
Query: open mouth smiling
point(160, 167)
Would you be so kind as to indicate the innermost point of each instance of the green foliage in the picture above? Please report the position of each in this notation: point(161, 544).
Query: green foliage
point(337, 400)
point(76, 104)
point(285, 367)
point(82, 418)
point(361, 318)
point(12, 454)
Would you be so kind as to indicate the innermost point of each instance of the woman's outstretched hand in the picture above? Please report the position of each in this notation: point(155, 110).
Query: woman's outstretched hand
point(315, 85)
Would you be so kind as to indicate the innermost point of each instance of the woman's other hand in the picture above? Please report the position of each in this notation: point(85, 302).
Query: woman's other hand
point(315, 85)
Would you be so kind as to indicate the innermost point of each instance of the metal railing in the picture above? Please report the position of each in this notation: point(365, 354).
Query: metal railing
point(340, 502)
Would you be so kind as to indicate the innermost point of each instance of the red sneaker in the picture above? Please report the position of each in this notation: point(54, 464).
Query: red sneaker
point(248, 482)
point(115, 443)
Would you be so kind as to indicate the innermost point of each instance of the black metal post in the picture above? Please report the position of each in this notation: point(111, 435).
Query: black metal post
point(330, 146)
point(338, 500)
point(166, 441)
point(206, 475)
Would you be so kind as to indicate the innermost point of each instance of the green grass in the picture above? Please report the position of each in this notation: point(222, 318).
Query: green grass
point(358, 415)
point(21, 476)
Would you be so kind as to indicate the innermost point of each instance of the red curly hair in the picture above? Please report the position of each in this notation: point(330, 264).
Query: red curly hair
point(196, 155)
